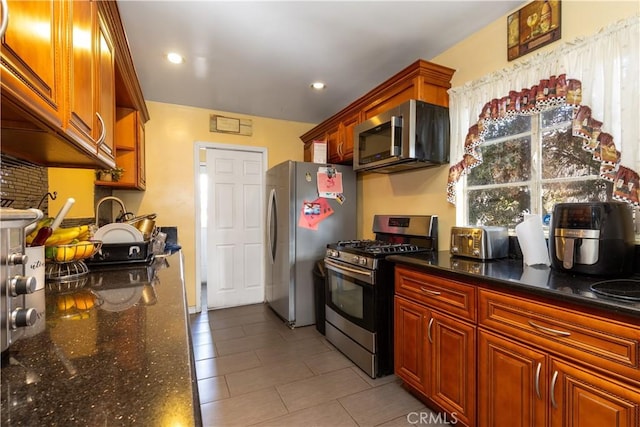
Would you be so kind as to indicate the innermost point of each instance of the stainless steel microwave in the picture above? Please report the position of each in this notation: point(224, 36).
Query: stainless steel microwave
point(412, 135)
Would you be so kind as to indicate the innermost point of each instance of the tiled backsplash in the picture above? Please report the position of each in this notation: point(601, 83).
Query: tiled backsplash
point(27, 184)
point(23, 184)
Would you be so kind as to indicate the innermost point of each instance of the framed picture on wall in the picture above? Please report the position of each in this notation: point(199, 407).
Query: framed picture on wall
point(535, 25)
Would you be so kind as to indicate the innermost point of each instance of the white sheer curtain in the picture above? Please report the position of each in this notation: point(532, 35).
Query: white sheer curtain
point(607, 64)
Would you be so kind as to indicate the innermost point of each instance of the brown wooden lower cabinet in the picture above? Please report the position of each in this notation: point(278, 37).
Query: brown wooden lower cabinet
point(452, 362)
point(580, 398)
point(511, 383)
point(520, 386)
point(435, 357)
point(536, 364)
point(409, 358)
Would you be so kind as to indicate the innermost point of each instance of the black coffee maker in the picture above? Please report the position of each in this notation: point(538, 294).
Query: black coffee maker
point(595, 238)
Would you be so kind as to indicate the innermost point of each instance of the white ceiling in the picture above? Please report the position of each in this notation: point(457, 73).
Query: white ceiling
point(259, 58)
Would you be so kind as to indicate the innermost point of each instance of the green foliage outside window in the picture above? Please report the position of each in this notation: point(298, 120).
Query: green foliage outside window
point(530, 163)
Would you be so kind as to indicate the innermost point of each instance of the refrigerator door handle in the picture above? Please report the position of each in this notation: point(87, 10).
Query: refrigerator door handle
point(272, 219)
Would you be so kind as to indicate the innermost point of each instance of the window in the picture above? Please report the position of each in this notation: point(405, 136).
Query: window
point(530, 163)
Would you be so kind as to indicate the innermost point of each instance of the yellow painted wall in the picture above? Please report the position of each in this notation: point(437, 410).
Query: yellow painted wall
point(170, 136)
point(76, 183)
point(424, 191)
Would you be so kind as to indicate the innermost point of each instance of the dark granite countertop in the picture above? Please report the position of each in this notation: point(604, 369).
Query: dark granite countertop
point(512, 274)
point(124, 358)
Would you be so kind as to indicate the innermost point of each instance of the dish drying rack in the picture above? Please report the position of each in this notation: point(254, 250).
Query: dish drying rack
point(125, 253)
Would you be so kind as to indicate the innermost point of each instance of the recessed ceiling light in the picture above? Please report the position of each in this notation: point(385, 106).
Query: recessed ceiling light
point(175, 58)
point(318, 85)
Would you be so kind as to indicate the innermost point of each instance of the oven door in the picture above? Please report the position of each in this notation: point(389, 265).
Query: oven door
point(350, 292)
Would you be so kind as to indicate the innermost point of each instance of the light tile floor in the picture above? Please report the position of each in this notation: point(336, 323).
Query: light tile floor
point(253, 370)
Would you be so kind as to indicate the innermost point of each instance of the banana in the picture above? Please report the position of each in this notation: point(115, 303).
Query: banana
point(44, 222)
point(65, 253)
point(62, 236)
point(85, 233)
point(83, 249)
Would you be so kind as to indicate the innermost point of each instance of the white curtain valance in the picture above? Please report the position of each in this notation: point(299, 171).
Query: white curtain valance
point(607, 64)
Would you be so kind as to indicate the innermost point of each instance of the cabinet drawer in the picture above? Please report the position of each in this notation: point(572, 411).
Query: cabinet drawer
point(447, 295)
point(586, 338)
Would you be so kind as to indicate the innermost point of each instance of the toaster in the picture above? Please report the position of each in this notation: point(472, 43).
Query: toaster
point(481, 242)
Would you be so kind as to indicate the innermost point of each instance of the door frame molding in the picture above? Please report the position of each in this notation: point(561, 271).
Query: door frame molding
point(198, 162)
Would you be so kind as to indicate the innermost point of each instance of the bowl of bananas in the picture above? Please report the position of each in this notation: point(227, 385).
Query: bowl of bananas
point(74, 251)
point(65, 249)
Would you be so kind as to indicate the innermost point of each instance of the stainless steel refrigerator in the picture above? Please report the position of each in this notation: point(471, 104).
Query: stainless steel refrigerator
point(300, 224)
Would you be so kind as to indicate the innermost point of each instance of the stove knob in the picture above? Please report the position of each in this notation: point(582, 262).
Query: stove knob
point(355, 259)
point(21, 317)
point(363, 261)
point(17, 259)
point(21, 285)
point(333, 253)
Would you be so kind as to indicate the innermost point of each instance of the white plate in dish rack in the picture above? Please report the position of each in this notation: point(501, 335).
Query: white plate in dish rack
point(118, 233)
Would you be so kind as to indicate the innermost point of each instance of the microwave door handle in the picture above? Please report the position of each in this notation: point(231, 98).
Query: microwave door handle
point(396, 135)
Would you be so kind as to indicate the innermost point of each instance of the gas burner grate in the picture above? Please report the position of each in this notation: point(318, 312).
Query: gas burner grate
point(393, 248)
point(356, 243)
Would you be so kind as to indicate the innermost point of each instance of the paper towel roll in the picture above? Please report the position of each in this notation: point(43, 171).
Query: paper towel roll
point(532, 241)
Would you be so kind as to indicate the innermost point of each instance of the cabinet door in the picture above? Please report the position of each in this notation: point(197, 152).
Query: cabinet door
point(410, 333)
point(31, 57)
point(346, 131)
point(580, 398)
point(512, 381)
point(333, 145)
point(81, 73)
point(106, 91)
point(452, 359)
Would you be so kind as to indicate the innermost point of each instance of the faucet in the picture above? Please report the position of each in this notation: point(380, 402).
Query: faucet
point(115, 199)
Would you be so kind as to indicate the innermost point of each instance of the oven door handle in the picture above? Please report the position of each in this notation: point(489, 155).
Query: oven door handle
point(345, 269)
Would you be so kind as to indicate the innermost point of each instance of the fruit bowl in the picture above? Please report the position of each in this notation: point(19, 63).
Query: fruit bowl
point(73, 251)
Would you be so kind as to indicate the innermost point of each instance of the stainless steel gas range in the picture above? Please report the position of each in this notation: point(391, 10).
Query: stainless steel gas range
point(360, 287)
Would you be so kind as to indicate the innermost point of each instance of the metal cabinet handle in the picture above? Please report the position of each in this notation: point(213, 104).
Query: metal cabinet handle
point(429, 291)
point(549, 330)
point(429, 330)
point(103, 132)
point(5, 17)
point(553, 388)
point(538, 369)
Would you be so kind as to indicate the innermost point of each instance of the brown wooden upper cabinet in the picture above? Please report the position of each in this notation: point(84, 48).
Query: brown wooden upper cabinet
point(32, 62)
point(421, 80)
point(60, 63)
point(91, 79)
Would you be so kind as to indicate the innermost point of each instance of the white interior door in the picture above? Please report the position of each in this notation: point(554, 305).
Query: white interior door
point(235, 261)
